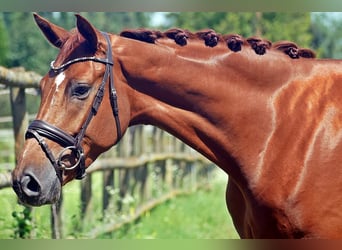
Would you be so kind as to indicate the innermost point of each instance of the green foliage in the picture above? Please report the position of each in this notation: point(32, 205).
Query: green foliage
point(269, 25)
point(23, 224)
point(32, 104)
point(221, 22)
point(114, 22)
point(23, 45)
point(327, 33)
point(29, 49)
point(287, 26)
point(4, 41)
point(202, 215)
point(26, 49)
point(6, 149)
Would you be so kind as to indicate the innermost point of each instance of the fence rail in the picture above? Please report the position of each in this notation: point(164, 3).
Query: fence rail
point(18, 77)
point(5, 180)
point(148, 166)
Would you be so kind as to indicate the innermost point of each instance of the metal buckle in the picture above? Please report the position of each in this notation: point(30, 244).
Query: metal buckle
point(78, 154)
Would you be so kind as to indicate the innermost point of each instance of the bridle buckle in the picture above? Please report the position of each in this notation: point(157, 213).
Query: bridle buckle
point(74, 153)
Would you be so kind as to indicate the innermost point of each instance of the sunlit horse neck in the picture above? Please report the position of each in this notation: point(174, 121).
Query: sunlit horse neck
point(206, 89)
point(267, 114)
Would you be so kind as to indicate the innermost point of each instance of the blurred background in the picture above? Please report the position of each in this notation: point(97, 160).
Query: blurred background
point(200, 212)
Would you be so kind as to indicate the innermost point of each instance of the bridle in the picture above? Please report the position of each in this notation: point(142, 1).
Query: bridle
point(40, 130)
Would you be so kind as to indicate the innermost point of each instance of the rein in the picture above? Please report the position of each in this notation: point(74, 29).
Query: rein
point(40, 130)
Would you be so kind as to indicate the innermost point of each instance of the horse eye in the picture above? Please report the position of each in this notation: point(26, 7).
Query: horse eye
point(81, 91)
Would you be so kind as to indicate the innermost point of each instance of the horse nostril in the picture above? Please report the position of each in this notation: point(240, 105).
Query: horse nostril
point(30, 186)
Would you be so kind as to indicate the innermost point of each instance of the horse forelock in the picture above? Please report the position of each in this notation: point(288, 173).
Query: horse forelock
point(210, 38)
point(75, 46)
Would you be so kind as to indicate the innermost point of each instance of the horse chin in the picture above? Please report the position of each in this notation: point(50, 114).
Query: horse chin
point(50, 197)
point(41, 201)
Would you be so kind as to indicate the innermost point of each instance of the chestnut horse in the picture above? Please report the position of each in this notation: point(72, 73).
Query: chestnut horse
point(269, 115)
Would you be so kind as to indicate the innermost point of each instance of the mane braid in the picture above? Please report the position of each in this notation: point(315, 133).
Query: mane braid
point(210, 38)
point(143, 35)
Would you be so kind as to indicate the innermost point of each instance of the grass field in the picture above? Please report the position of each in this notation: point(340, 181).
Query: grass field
point(201, 215)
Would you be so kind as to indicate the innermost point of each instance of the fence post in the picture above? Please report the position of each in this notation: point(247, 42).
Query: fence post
point(20, 118)
point(56, 219)
point(108, 185)
point(85, 195)
point(124, 151)
point(145, 148)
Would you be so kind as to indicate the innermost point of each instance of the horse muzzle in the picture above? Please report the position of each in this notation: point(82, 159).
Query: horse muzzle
point(35, 188)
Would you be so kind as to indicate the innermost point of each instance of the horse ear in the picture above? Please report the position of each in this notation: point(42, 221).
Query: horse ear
point(55, 34)
point(88, 31)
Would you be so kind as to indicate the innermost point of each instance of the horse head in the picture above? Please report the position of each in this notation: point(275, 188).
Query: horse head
point(77, 116)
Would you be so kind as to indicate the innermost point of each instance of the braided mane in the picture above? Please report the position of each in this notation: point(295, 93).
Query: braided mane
point(210, 38)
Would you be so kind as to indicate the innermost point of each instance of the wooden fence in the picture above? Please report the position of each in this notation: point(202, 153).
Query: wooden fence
point(147, 167)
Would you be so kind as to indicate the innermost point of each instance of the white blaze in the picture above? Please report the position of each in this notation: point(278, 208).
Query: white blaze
point(59, 79)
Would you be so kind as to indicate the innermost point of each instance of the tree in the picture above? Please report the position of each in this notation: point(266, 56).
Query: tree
point(114, 22)
point(30, 50)
point(327, 34)
point(269, 25)
point(4, 43)
point(294, 27)
point(23, 45)
point(27, 48)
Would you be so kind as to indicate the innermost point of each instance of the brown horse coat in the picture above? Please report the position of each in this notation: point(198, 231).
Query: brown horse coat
point(268, 115)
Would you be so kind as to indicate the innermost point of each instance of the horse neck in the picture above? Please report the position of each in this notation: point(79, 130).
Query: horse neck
point(211, 101)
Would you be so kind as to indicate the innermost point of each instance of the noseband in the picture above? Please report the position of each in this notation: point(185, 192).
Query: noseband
point(40, 130)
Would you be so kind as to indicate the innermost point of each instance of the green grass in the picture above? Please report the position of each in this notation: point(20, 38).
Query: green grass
point(202, 215)
point(6, 149)
point(9, 204)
